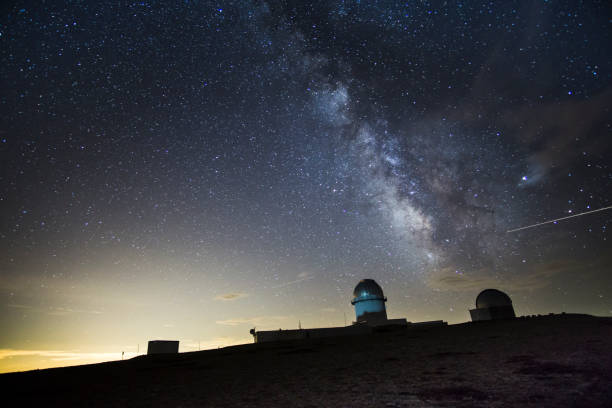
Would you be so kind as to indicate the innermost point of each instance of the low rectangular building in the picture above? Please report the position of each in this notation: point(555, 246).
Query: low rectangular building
point(299, 334)
point(431, 323)
point(163, 346)
point(317, 333)
point(492, 313)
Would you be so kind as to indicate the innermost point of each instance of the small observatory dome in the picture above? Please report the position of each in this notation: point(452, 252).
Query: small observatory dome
point(492, 304)
point(369, 301)
point(492, 298)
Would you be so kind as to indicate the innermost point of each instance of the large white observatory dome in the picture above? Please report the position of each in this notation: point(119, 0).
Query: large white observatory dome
point(492, 298)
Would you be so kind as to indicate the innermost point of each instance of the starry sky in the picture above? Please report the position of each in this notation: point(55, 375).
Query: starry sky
point(189, 170)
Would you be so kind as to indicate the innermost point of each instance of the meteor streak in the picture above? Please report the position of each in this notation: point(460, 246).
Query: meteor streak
point(559, 219)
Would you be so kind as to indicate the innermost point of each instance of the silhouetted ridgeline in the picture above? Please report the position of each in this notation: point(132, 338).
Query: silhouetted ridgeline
point(547, 361)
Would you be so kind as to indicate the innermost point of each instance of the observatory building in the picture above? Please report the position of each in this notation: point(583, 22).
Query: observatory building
point(369, 302)
point(492, 304)
point(370, 313)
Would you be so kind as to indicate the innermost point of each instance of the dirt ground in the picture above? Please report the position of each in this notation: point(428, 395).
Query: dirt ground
point(547, 361)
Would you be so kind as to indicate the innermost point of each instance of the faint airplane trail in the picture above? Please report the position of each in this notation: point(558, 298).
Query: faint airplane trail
point(282, 285)
point(559, 219)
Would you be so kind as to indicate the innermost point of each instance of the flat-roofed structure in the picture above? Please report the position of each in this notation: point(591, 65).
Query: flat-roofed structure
point(163, 346)
point(300, 334)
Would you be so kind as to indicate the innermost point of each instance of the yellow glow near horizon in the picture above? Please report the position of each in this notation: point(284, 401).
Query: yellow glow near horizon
point(12, 360)
point(93, 317)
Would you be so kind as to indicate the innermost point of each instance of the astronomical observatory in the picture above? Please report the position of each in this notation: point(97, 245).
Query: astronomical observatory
point(369, 302)
point(370, 314)
point(492, 304)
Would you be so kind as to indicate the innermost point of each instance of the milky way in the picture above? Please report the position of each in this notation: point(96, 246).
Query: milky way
point(254, 160)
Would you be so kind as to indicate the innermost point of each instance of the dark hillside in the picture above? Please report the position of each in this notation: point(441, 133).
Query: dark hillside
point(548, 361)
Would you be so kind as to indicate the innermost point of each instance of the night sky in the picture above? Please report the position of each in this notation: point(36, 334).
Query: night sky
point(189, 170)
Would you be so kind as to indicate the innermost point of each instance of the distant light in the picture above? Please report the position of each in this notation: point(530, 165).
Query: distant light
point(524, 178)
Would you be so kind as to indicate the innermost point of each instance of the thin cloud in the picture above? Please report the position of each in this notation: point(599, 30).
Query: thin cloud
point(16, 306)
point(53, 311)
point(540, 276)
point(227, 297)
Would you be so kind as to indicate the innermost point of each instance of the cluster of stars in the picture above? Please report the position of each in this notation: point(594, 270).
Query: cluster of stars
point(350, 139)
